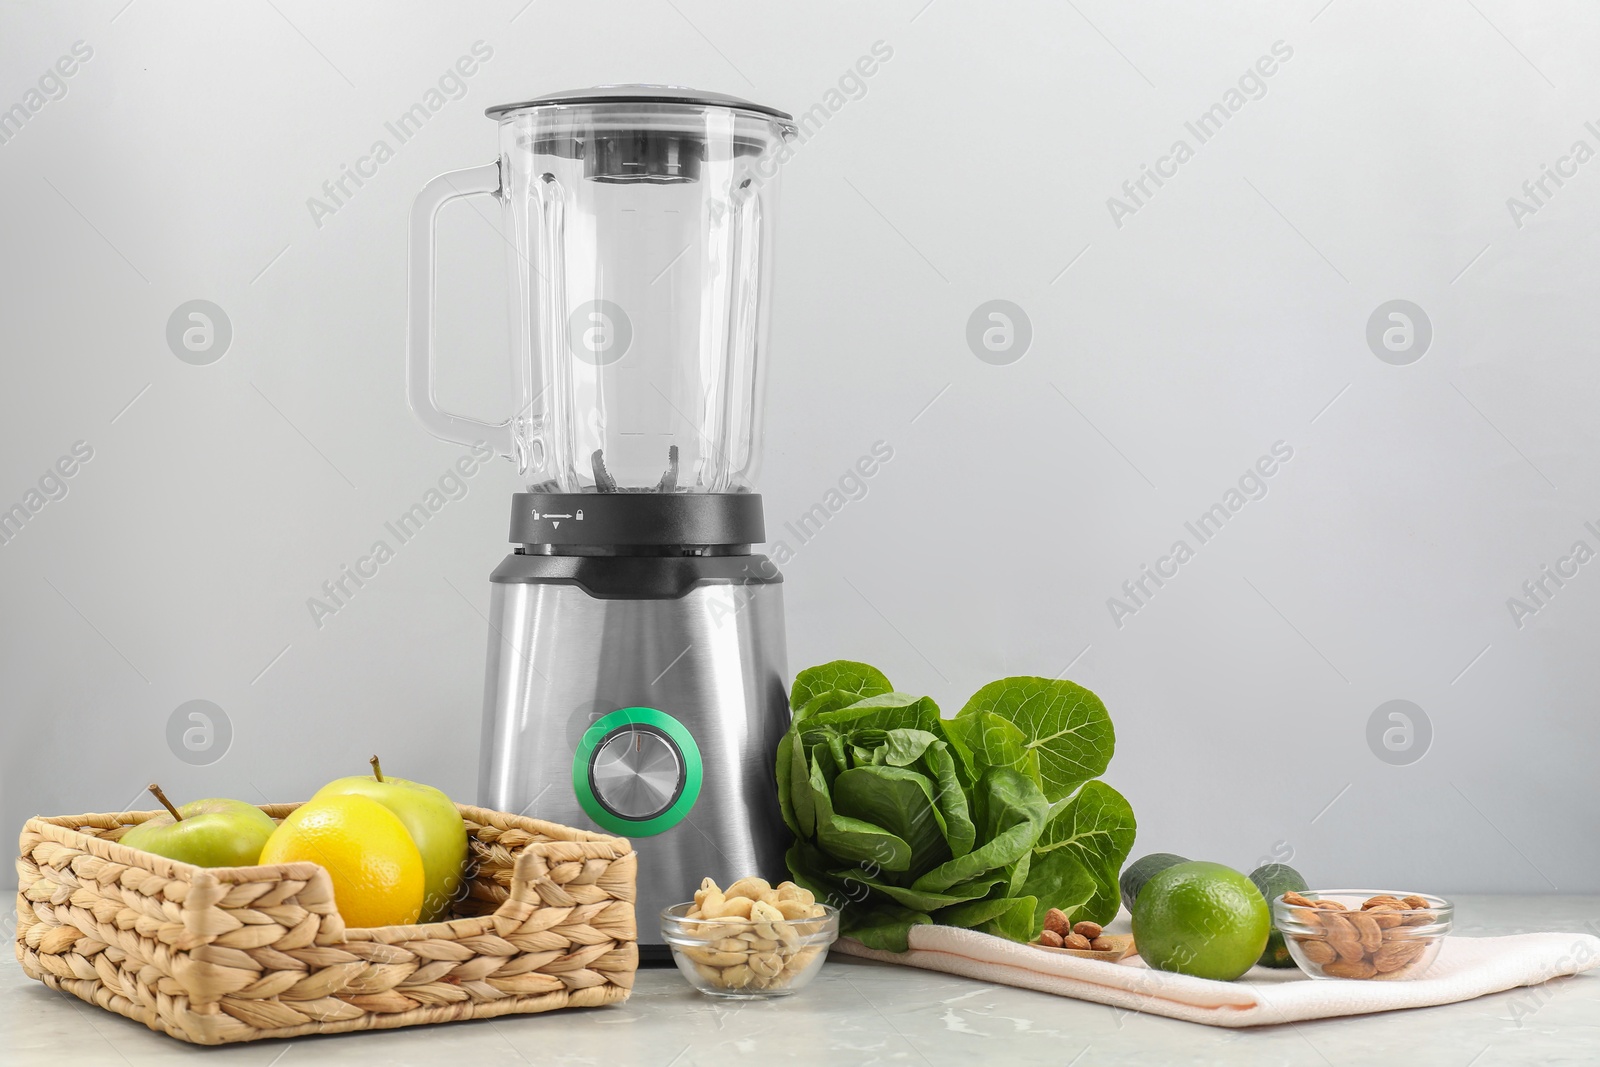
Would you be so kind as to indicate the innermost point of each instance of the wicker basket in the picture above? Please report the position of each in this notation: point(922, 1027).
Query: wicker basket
point(225, 954)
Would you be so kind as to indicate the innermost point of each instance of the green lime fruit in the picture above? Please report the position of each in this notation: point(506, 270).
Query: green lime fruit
point(1201, 919)
point(1274, 880)
point(1140, 871)
point(215, 832)
point(433, 822)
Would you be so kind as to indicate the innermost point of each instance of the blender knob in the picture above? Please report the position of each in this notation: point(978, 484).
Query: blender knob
point(637, 772)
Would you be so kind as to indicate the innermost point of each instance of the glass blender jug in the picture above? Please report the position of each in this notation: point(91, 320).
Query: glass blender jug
point(636, 680)
point(641, 232)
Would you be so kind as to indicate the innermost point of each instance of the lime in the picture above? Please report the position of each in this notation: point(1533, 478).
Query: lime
point(1274, 880)
point(1201, 919)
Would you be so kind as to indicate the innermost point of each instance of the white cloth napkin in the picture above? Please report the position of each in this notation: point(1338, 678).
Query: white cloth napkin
point(1466, 967)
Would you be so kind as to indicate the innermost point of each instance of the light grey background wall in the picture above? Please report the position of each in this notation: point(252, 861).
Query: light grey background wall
point(1178, 335)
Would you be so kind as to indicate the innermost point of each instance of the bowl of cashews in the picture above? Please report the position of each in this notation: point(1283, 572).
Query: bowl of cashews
point(750, 940)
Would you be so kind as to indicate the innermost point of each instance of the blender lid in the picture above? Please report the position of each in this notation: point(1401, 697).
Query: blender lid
point(638, 94)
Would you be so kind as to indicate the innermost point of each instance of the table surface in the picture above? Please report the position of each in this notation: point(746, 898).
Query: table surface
point(860, 1012)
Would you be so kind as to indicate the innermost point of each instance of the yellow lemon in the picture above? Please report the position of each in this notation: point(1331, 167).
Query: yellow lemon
point(376, 869)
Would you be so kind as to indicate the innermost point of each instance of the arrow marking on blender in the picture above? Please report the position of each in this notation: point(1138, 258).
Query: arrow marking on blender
point(896, 229)
point(303, 437)
point(1103, 437)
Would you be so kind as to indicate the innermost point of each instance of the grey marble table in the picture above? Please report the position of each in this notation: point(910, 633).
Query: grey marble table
point(858, 1012)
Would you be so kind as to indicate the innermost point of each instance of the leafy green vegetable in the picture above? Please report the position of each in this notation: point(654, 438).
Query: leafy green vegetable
point(1061, 723)
point(842, 675)
point(1096, 828)
point(985, 821)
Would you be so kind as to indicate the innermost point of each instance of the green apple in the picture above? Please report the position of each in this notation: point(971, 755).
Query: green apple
point(215, 832)
point(430, 818)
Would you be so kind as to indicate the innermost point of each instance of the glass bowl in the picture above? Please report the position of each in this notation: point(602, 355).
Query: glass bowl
point(1363, 934)
point(745, 959)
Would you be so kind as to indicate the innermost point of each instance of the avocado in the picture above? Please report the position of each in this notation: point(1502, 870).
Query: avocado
point(1140, 871)
point(1274, 880)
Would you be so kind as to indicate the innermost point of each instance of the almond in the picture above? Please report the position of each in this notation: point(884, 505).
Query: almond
point(1102, 944)
point(1368, 930)
point(1383, 900)
point(1088, 929)
point(1396, 954)
point(1386, 917)
point(1419, 918)
point(1317, 951)
point(1051, 938)
point(1297, 900)
point(1329, 905)
point(1350, 969)
point(1415, 901)
point(1077, 941)
point(1056, 920)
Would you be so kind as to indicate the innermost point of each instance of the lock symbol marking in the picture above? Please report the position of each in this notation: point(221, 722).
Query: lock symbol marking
point(579, 516)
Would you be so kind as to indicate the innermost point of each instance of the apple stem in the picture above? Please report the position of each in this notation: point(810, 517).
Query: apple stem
point(165, 803)
point(377, 771)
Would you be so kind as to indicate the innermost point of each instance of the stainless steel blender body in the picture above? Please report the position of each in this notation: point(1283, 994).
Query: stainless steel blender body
point(562, 659)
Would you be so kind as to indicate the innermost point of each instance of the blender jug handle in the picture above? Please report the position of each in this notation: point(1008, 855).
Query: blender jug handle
point(484, 180)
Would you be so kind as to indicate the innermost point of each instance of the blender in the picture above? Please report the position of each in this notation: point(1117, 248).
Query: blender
point(636, 679)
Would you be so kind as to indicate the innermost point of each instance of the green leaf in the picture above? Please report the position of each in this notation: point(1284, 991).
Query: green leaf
point(960, 833)
point(990, 740)
point(843, 675)
point(808, 868)
point(920, 899)
point(1007, 917)
point(1097, 828)
point(1063, 724)
point(801, 798)
point(884, 927)
point(1059, 880)
point(832, 700)
point(854, 840)
point(885, 711)
point(1011, 813)
point(902, 748)
point(784, 772)
point(900, 801)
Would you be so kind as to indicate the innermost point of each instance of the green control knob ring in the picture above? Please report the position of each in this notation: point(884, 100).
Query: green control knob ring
point(669, 729)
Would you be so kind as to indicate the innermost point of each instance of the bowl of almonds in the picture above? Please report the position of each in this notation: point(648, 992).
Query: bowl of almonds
point(1358, 934)
point(750, 940)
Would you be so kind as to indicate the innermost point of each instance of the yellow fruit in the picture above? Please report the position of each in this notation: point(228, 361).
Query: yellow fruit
point(376, 868)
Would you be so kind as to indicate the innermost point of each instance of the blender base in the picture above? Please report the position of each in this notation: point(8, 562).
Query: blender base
point(655, 718)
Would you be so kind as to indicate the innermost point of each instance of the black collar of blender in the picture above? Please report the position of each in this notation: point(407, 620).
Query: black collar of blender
point(682, 523)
